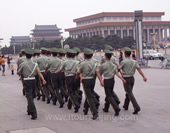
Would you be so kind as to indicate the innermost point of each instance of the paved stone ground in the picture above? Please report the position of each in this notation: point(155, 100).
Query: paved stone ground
point(153, 97)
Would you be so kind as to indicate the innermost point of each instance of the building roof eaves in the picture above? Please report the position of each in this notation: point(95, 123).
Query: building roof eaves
point(103, 14)
point(116, 24)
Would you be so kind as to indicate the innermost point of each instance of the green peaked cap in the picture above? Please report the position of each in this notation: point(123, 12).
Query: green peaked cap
point(127, 49)
point(77, 49)
point(107, 51)
point(108, 47)
point(29, 51)
point(88, 51)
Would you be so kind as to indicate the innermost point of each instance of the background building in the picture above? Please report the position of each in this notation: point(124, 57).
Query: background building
point(121, 24)
point(20, 40)
point(46, 32)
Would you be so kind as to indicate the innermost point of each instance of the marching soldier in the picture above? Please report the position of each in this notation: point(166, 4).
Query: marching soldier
point(108, 70)
point(21, 60)
point(42, 63)
point(128, 68)
point(78, 91)
point(114, 61)
point(61, 55)
point(88, 69)
point(69, 67)
point(53, 65)
point(29, 69)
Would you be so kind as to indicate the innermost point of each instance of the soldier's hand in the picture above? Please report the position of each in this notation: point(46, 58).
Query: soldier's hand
point(102, 83)
point(44, 82)
point(145, 79)
point(124, 81)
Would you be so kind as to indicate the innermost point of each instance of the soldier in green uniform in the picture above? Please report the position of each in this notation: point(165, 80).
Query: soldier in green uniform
point(69, 67)
point(96, 96)
point(29, 69)
point(53, 65)
point(109, 70)
point(48, 75)
point(42, 63)
point(38, 88)
point(88, 69)
point(21, 60)
point(77, 58)
point(115, 62)
point(61, 56)
point(128, 68)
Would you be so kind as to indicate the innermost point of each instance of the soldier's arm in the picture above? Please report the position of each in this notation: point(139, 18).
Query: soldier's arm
point(119, 76)
point(142, 74)
point(41, 76)
point(100, 78)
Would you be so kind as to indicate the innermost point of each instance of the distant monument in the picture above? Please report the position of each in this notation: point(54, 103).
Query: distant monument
point(46, 32)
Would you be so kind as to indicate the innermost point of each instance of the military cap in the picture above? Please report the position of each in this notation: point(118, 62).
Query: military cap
point(54, 50)
point(62, 51)
point(107, 51)
point(22, 50)
point(70, 51)
point(37, 51)
point(48, 50)
point(29, 51)
point(108, 47)
point(77, 49)
point(127, 49)
point(88, 51)
point(43, 49)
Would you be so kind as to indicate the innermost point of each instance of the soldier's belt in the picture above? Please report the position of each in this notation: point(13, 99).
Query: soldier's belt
point(42, 71)
point(32, 78)
point(126, 76)
point(69, 75)
point(87, 77)
point(108, 77)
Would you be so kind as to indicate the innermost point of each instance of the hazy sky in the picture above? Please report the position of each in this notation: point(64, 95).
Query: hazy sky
point(18, 17)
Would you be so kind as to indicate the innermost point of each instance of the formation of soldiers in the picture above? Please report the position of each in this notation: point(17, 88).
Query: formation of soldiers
point(55, 75)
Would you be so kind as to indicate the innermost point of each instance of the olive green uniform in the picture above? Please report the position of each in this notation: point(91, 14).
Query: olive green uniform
point(29, 70)
point(53, 65)
point(21, 60)
point(128, 67)
point(42, 63)
point(108, 70)
point(70, 66)
point(88, 69)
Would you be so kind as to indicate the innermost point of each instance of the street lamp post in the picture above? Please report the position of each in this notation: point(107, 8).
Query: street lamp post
point(154, 38)
point(14, 47)
point(62, 40)
point(33, 43)
point(138, 26)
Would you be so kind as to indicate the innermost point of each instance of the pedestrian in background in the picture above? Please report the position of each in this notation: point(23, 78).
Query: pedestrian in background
point(9, 62)
point(12, 69)
point(3, 65)
point(0, 62)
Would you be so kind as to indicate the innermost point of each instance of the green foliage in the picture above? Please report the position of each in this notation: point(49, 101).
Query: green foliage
point(95, 42)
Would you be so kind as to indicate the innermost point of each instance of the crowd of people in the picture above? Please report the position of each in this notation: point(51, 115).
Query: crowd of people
point(56, 75)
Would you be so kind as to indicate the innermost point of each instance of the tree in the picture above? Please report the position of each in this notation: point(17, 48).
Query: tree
point(128, 42)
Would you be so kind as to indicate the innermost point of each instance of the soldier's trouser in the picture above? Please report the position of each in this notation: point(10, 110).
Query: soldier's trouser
point(29, 87)
point(110, 95)
point(55, 85)
point(62, 84)
point(88, 85)
point(49, 85)
point(37, 84)
point(129, 94)
point(71, 87)
point(44, 87)
point(96, 97)
point(23, 89)
point(78, 91)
